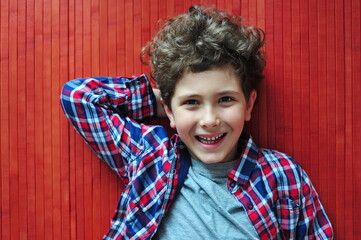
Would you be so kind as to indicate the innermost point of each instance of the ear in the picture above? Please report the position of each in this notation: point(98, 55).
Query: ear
point(170, 115)
point(250, 104)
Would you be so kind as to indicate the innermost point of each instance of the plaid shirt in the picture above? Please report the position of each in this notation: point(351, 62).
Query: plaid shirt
point(274, 190)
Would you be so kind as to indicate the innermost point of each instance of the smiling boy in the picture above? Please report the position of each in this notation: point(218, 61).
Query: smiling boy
point(208, 181)
point(209, 109)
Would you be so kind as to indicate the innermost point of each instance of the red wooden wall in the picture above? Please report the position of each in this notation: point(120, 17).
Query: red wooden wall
point(52, 185)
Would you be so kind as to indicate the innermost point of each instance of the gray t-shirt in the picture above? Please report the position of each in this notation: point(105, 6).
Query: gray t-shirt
point(205, 208)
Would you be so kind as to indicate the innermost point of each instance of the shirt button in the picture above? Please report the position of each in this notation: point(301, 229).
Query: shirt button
point(174, 171)
point(250, 206)
point(232, 184)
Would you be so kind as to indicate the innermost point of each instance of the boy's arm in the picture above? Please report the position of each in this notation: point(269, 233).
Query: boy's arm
point(313, 222)
point(102, 109)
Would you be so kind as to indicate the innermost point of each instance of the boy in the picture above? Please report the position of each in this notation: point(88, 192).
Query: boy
point(209, 181)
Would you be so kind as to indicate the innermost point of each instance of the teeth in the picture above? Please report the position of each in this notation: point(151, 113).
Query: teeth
point(210, 140)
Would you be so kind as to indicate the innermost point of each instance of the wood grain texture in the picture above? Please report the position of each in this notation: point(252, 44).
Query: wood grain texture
point(54, 187)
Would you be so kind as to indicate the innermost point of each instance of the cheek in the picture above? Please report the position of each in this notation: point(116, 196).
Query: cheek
point(184, 123)
point(236, 121)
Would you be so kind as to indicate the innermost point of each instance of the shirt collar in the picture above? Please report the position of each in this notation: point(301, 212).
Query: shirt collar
point(242, 170)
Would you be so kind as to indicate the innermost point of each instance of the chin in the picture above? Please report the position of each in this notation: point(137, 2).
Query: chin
point(211, 160)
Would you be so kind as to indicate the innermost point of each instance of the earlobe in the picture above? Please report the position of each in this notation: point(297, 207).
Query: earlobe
point(250, 104)
point(170, 116)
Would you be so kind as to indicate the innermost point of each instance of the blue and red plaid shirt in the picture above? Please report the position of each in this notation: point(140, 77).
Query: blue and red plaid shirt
point(274, 190)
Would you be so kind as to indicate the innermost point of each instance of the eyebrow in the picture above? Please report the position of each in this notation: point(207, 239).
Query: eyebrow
point(189, 96)
point(227, 92)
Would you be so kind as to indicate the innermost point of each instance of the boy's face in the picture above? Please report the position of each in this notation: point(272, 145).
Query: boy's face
point(208, 109)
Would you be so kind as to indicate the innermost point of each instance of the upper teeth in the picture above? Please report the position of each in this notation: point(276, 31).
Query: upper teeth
point(212, 138)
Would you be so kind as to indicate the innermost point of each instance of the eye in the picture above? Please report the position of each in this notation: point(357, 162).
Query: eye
point(226, 99)
point(191, 102)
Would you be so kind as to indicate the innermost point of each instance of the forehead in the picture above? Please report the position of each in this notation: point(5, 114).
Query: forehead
point(209, 80)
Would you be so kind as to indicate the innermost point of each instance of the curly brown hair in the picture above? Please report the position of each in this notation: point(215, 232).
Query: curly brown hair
point(202, 39)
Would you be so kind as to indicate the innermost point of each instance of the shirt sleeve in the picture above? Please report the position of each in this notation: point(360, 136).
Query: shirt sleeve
point(313, 222)
point(104, 110)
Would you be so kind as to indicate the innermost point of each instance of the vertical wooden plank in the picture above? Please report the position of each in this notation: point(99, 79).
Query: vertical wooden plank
point(137, 39)
point(262, 96)
point(47, 119)
point(97, 214)
point(297, 125)
point(65, 226)
point(162, 9)
point(236, 8)
point(105, 198)
point(261, 13)
point(13, 117)
point(55, 112)
point(79, 187)
point(4, 120)
point(95, 16)
point(252, 12)
point(121, 58)
point(64, 124)
point(322, 102)
point(22, 128)
point(314, 109)
point(356, 76)
point(112, 33)
point(87, 37)
point(350, 185)
point(330, 82)
point(78, 39)
point(228, 7)
point(88, 194)
point(249, 12)
point(145, 32)
point(178, 7)
point(39, 128)
point(287, 77)
point(72, 183)
point(221, 4)
point(269, 72)
point(304, 85)
point(154, 17)
point(71, 37)
point(171, 8)
point(203, 2)
point(279, 55)
point(129, 29)
point(263, 116)
point(340, 82)
point(30, 120)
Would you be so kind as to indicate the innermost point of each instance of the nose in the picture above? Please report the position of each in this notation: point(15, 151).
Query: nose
point(209, 118)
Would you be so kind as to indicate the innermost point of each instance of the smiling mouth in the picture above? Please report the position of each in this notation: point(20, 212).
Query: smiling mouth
point(210, 140)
